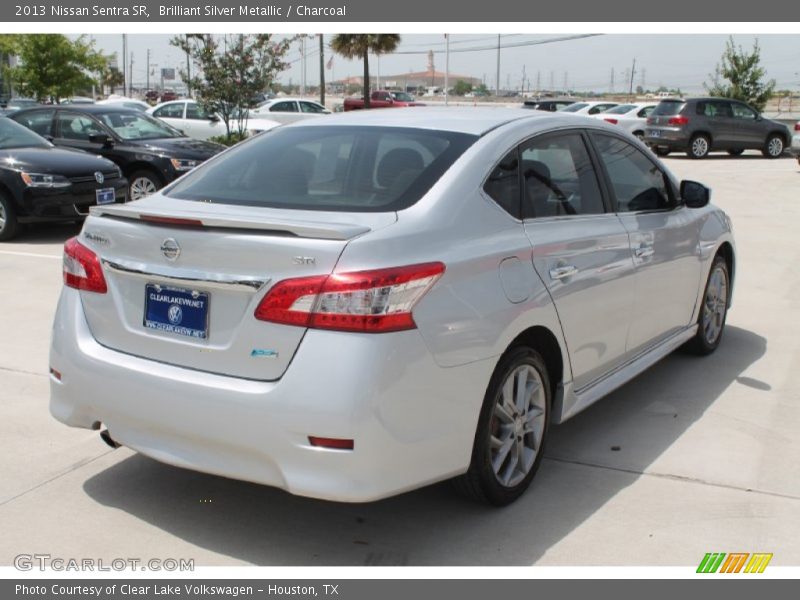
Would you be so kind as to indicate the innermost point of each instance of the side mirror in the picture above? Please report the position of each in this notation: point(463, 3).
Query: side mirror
point(694, 194)
point(101, 138)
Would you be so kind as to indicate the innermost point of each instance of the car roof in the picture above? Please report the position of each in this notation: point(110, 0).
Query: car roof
point(469, 120)
point(86, 108)
point(273, 100)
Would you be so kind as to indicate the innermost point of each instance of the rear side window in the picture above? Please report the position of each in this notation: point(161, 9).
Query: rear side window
point(283, 107)
point(502, 185)
point(637, 182)
point(40, 121)
point(620, 109)
point(348, 168)
point(714, 109)
point(558, 178)
point(668, 108)
point(574, 107)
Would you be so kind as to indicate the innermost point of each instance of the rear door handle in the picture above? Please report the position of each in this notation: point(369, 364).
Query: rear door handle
point(643, 252)
point(562, 272)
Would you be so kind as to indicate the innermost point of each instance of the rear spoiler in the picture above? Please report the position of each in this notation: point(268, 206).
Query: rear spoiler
point(299, 228)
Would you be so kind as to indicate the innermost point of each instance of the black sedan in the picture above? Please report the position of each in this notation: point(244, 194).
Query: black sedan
point(150, 153)
point(39, 182)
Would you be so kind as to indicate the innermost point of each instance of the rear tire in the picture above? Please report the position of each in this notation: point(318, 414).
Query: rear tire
point(9, 224)
point(699, 146)
point(512, 429)
point(773, 147)
point(713, 311)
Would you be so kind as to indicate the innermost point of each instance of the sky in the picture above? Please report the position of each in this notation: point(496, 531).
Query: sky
point(671, 60)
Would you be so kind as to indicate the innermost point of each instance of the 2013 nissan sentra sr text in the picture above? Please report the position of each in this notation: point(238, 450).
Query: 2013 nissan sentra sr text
point(352, 307)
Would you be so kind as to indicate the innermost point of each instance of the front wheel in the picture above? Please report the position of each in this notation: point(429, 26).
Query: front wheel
point(142, 184)
point(512, 428)
point(773, 147)
point(714, 310)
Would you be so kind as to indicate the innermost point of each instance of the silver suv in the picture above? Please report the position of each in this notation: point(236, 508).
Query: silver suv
point(698, 126)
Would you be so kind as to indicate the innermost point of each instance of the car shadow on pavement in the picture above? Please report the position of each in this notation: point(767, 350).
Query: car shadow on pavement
point(45, 233)
point(434, 526)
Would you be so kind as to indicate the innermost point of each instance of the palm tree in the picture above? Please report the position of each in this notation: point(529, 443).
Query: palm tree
point(351, 45)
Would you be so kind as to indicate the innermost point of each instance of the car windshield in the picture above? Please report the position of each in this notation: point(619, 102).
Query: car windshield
point(135, 125)
point(574, 107)
point(347, 168)
point(14, 135)
point(402, 97)
point(620, 110)
point(668, 108)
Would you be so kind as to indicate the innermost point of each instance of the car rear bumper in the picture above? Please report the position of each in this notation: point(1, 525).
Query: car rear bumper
point(794, 149)
point(664, 137)
point(412, 422)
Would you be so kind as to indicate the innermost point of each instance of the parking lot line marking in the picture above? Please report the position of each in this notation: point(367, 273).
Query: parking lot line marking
point(34, 254)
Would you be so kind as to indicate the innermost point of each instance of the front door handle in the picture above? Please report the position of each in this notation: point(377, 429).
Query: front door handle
point(643, 251)
point(562, 272)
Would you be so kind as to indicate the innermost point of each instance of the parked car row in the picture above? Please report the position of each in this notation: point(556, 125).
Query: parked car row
point(697, 126)
point(192, 119)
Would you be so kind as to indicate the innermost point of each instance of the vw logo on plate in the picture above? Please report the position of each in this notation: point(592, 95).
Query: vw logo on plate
point(170, 249)
point(98, 177)
point(175, 314)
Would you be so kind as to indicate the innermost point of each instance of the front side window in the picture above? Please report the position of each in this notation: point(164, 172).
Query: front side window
point(311, 107)
point(558, 178)
point(637, 182)
point(196, 112)
point(502, 185)
point(740, 111)
point(170, 111)
point(73, 126)
point(334, 168)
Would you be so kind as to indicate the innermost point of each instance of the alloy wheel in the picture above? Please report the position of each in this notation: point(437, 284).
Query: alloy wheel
point(2, 217)
point(775, 147)
point(700, 146)
point(141, 187)
point(517, 425)
point(715, 305)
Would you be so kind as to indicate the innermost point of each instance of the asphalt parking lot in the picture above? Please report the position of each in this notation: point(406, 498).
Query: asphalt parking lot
point(706, 459)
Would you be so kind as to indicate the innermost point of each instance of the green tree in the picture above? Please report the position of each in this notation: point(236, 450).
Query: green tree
point(111, 77)
point(227, 77)
point(481, 89)
point(740, 76)
point(352, 45)
point(462, 88)
point(52, 65)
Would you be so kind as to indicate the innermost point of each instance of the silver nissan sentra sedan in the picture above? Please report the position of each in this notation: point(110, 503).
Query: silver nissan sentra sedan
point(352, 307)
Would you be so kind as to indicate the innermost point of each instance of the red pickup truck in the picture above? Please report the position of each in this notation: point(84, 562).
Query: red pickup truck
point(382, 99)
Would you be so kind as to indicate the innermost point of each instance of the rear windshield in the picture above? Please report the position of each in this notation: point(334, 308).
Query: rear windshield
point(620, 110)
point(364, 169)
point(668, 108)
point(574, 107)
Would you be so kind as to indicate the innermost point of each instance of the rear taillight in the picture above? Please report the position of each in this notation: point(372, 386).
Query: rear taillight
point(610, 120)
point(679, 120)
point(82, 268)
point(797, 126)
point(368, 301)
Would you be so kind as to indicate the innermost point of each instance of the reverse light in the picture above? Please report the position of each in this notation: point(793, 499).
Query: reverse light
point(610, 120)
point(82, 269)
point(367, 301)
point(679, 121)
